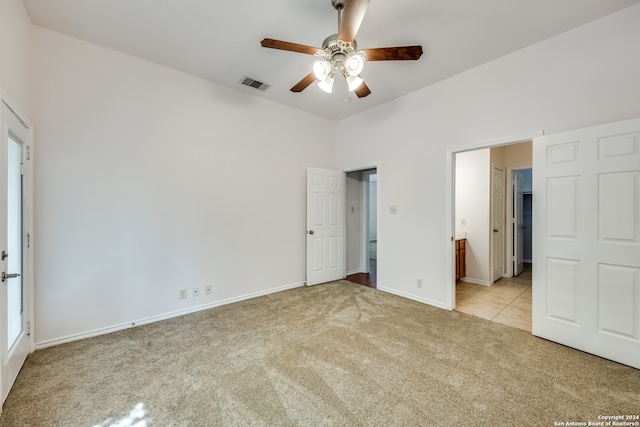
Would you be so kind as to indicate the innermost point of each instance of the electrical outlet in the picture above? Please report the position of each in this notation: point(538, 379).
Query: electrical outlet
point(419, 283)
point(208, 289)
point(183, 293)
point(393, 209)
point(195, 292)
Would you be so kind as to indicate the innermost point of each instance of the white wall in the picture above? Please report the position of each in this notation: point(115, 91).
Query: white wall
point(15, 53)
point(149, 180)
point(586, 76)
point(472, 204)
point(518, 154)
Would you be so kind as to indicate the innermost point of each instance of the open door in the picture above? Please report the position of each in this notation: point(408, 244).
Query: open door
point(325, 225)
point(16, 285)
point(497, 222)
point(586, 264)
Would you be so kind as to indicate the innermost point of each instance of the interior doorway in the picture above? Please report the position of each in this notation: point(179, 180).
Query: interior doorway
point(362, 226)
point(493, 281)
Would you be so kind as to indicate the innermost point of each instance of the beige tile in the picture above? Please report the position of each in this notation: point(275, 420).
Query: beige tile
point(503, 295)
point(523, 301)
point(506, 283)
point(526, 296)
point(482, 308)
point(465, 290)
point(518, 308)
point(497, 296)
point(507, 301)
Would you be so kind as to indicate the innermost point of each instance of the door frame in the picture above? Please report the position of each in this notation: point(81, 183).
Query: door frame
point(364, 200)
point(366, 218)
point(509, 202)
point(450, 208)
point(27, 215)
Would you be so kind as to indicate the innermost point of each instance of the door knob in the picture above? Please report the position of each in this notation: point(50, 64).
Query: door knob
point(6, 276)
point(4, 255)
point(311, 231)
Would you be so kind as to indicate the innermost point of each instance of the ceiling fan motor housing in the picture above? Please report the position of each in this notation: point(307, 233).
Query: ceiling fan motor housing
point(332, 46)
point(337, 4)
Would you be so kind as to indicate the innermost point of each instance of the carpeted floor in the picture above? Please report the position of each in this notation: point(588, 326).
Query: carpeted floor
point(334, 354)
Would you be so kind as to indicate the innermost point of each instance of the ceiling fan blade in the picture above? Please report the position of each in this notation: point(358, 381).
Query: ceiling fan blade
point(399, 53)
point(351, 18)
point(292, 47)
point(304, 83)
point(362, 90)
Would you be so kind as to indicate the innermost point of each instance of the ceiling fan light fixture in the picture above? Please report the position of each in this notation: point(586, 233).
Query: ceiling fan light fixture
point(321, 69)
point(354, 82)
point(355, 64)
point(326, 84)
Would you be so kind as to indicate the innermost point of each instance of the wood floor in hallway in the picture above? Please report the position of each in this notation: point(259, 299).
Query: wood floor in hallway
point(366, 279)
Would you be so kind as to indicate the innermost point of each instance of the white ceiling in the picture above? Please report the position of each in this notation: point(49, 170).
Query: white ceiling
point(220, 40)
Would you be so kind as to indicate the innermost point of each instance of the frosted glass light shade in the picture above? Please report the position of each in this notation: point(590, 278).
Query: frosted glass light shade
point(321, 69)
point(355, 64)
point(326, 84)
point(354, 82)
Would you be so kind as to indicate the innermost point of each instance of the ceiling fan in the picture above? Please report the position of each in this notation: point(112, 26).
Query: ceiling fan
point(340, 54)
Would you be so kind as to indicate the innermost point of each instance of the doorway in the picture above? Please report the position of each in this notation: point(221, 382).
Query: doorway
point(484, 227)
point(362, 226)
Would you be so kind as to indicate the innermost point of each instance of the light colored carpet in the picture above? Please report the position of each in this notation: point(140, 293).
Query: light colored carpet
point(334, 354)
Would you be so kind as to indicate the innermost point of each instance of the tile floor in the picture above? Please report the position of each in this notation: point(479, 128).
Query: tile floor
point(507, 301)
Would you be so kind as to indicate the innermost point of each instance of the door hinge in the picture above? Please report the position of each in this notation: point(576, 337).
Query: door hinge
point(28, 328)
point(28, 240)
point(28, 153)
point(21, 168)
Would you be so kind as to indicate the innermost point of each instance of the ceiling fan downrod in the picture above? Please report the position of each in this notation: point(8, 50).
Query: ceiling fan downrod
point(339, 6)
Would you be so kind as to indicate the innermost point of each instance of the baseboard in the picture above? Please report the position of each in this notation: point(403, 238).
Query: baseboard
point(476, 281)
point(527, 261)
point(414, 298)
point(356, 271)
point(153, 319)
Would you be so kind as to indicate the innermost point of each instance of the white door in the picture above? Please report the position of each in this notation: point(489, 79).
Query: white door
point(586, 259)
point(14, 295)
point(497, 221)
point(325, 226)
point(518, 206)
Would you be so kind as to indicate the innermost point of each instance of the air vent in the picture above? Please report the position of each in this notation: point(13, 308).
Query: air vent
point(248, 81)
